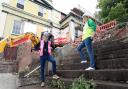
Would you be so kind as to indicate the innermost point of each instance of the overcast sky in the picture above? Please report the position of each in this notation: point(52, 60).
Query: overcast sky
point(66, 5)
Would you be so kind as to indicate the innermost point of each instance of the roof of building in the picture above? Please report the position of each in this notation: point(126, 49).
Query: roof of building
point(61, 12)
point(78, 11)
point(45, 3)
point(48, 4)
point(75, 13)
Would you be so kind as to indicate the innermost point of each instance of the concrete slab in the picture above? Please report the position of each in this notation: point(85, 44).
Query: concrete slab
point(8, 81)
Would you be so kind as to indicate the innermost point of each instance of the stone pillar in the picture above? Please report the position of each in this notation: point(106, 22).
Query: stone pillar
point(24, 56)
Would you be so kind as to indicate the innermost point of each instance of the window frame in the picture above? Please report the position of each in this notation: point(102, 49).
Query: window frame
point(41, 11)
point(20, 4)
point(19, 25)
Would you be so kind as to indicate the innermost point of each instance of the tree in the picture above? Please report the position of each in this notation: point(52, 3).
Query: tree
point(113, 9)
point(116, 12)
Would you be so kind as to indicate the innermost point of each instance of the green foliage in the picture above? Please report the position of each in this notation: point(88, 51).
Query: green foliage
point(79, 83)
point(121, 25)
point(113, 9)
point(57, 84)
point(116, 12)
point(123, 18)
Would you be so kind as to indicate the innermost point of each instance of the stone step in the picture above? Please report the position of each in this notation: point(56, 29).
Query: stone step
point(98, 56)
point(113, 48)
point(111, 56)
point(110, 48)
point(116, 44)
point(118, 52)
point(29, 81)
point(8, 81)
point(120, 63)
point(71, 59)
point(108, 54)
point(76, 58)
point(105, 74)
point(110, 42)
point(104, 52)
point(8, 67)
point(72, 66)
point(35, 86)
point(110, 85)
point(99, 84)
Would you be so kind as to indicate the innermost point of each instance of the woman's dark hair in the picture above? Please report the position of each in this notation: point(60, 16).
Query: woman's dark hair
point(42, 33)
point(37, 47)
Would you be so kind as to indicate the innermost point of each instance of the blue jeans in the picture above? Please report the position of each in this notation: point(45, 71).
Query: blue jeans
point(88, 44)
point(42, 62)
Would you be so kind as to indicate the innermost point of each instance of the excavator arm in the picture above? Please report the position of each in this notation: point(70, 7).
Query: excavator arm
point(16, 41)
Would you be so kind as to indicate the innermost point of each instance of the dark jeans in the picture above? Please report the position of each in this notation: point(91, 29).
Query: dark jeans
point(42, 62)
point(88, 44)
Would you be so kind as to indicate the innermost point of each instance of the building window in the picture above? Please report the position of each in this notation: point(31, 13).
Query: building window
point(17, 27)
point(41, 11)
point(20, 4)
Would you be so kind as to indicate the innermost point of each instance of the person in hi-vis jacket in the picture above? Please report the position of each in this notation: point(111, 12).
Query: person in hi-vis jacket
point(45, 54)
point(89, 30)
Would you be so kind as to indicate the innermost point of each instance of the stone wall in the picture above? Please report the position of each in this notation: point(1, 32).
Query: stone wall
point(24, 56)
point(64, 53)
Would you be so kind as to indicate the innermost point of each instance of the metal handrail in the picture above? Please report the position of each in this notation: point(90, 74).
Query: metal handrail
point(27, 75)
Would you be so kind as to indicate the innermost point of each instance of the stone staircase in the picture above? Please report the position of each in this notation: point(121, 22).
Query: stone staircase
point(111, 66)
point(8, 75)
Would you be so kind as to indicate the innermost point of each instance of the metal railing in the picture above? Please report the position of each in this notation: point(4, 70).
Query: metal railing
point(27, 75)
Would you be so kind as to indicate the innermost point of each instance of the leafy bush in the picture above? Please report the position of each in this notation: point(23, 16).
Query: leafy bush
point(57, 84)
point(79, 83)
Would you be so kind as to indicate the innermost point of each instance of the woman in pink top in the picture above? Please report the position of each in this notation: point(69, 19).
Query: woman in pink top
point(45, 54)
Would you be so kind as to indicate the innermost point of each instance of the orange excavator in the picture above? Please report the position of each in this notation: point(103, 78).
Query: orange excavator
point(13, 41)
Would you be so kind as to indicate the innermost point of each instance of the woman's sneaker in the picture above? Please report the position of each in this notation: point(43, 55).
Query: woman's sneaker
point(55, 77)
point(90, 68)
point(42, 84)
point(84, 61)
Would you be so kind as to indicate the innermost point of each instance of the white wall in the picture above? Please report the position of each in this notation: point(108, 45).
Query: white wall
point(79, 33)
point(6, 1)
point(56, 32)
point(2, 18)
point(46, 28)
point(56, 16)
point(2, 22)
point(72, 30)
point(29, 27)
point(64, 32)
